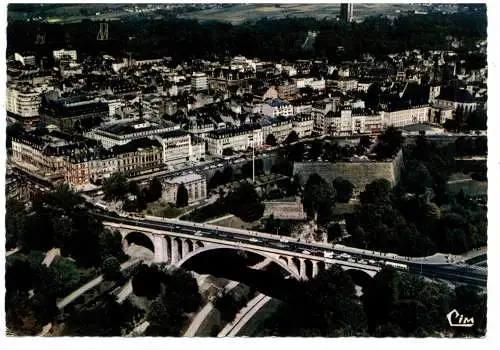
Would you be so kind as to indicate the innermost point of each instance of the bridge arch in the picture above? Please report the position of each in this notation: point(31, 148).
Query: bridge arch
point(210, 247)
point(140, 238)
point(360, 277)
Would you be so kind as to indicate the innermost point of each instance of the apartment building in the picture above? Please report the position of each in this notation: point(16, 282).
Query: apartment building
point(303, 124)
point(199, 82)
point(176, 146)
point(280, 127)
point(276, 107)
point(23, 103)
point(238, 139)
point(406, 116)
point(138, 156)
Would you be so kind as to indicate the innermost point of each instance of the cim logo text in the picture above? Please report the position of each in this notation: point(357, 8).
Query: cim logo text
point(455, 319)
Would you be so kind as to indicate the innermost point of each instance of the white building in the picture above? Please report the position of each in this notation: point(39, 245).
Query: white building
point(238, 139)
point(312, 83)
point(177, 148)
point(199, 82)
point(28, 60)
point(23, 101)
point(403, 117)
point(64, 54)
point(347, 84)
point(276, 107)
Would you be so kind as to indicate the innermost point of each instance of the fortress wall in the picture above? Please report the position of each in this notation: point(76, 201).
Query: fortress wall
point(358, 173)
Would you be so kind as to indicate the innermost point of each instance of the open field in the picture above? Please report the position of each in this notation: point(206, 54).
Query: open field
point(243, 12)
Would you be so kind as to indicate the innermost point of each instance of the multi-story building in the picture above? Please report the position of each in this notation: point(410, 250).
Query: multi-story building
point(314, 84)
point(320, 110)
point(276, 107)
point(138, 156)
point(238, 139)
point(450, 97)
point(122, 132)
point(27, 60)
point(92, 166)
point(373, 124)
point(405, 116)
point(73, 112)
point(303, 124)
point(46, 153)
point(287, 90)
point(23, 103)
point(280, 127)
point(346, 84)
point(195, 184)
point(176, 146)
point(199, 82)
point(64, 54)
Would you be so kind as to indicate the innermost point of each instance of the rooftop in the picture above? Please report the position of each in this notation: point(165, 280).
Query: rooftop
point(185, 179)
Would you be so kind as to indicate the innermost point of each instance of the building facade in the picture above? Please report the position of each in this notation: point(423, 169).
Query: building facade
point(23, 103)
point(238, 139)
point(195, 184)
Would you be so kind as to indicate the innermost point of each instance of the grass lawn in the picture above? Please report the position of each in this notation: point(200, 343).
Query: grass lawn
point(162, 209)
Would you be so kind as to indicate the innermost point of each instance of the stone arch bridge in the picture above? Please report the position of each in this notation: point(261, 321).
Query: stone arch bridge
point(176, 248)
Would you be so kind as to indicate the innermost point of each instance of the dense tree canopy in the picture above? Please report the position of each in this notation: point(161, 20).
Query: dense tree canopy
point(115, 187)
point(343, 190)
point(318, 199)
point(264, 38)
point(245, 203)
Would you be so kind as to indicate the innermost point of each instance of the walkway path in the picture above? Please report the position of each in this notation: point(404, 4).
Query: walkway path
point(232, 329)
point(50, 256)
point(86, 287)
point(203, 313)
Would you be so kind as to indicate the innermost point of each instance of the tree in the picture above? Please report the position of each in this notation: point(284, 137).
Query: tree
point(15, 218)
point(389, 143)
point(115, 187)
point(292, 137)
point(316, 149)
point(245, 203)
point(155, 190)
point(334, 232)
point(343, 190)
point(182, 199)
point(416, 177)
point(318, 199)
point(133, 188)
point(216, 180)
point(111, 269)
point(376, 191)
point(110, 245)
point(227, 306)
point(59, 279)
point(146, 281)
point(271, 140)
point(227, 174)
